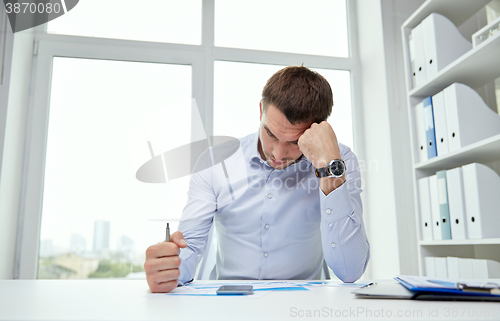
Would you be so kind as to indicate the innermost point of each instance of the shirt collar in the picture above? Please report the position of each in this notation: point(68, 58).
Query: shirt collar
point(254, 149)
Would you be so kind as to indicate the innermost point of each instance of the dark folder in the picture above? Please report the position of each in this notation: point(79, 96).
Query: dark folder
point(440, 289)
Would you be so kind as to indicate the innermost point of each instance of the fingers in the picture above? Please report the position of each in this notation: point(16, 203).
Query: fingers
point(162, 263)
point(178, 239)
point(152, 266)
point(161, 250)
point(162, 273)
point(319, 144)
point(167, 275)
point(162, 276)
point(162, 287)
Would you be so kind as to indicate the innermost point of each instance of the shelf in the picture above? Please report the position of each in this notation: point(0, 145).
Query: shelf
point(458, 11)
point(474, 69)
point(460, 242)
point(485, 151)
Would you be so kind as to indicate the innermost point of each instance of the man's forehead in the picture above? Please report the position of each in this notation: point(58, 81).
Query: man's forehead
point(280, 127)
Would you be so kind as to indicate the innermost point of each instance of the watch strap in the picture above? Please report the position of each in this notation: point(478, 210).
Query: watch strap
point(322, 172)
point(326, 171)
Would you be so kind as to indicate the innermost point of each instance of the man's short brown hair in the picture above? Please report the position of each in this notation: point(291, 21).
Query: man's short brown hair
point(301, 94)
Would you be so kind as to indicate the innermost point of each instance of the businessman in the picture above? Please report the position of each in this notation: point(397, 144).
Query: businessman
point(298, 203)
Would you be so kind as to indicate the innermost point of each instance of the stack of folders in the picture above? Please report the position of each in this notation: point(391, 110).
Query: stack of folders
point(451, 119)
point(463, 268)
point(433, 44)
point(460, 203)
point(432, 288)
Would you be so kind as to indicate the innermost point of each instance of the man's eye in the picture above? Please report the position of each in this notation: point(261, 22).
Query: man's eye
point(269, 133)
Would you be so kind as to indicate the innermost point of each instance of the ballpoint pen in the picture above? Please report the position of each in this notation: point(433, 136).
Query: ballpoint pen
point(167, 237)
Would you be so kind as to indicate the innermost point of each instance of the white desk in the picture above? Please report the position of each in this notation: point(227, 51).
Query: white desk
point(131, 300)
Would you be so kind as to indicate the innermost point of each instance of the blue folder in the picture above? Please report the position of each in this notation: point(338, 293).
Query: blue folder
point(429, 127)
point(430, 288)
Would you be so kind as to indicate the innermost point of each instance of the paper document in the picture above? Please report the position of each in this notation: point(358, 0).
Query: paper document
point(260, 287)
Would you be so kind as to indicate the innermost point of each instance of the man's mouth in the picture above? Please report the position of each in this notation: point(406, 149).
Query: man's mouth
point(276, 162)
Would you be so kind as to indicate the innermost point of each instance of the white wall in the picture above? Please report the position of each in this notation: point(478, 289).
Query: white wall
point(6, 47)
point(388, 197)
point(394, 13)
point(11, 175)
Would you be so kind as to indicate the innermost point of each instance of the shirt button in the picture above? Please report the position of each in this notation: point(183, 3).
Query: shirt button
point(333, 244)
point(330, 224)
point(269, 195)
point(266, 254)
point(267, 226)
point(328, 211)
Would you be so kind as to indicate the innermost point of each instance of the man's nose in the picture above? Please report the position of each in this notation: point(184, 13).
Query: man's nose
point(280, 151)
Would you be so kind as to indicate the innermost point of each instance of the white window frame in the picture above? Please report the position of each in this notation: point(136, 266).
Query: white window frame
point(200, 57)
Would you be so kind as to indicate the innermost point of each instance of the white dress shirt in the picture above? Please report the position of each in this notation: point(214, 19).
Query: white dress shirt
point(273, 224)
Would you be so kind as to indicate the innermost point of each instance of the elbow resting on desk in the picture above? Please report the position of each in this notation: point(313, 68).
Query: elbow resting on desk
point(349, 260)
point(352, 273)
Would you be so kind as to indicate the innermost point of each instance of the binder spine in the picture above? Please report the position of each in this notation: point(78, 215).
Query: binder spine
point(420, 133)
point(444, 209)
point(436, 225)
point(446, 41)
point(468, 118)
point(429, 127)
point(456, 201)
point(419, 73)
point(440, 127)
point(482, 201)
point(425, 209)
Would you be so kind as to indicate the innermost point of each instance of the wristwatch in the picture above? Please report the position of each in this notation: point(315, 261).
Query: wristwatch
point(336, 168)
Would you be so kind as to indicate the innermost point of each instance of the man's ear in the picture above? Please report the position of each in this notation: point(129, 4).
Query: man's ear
point(260, 106)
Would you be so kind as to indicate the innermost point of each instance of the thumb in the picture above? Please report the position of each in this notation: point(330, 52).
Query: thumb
point(178, 239)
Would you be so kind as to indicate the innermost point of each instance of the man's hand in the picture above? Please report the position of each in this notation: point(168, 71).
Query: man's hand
point(162, 263)
point(319, 144)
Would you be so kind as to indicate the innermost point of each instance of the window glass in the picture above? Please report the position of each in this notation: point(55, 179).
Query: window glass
point(97, 218)
point(238, 91)
point(317, 27)
point(341, 116)
point(147, 20)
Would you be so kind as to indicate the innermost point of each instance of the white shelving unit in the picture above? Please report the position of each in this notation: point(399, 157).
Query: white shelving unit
point(460, 242)
point(475, 68)
point(485, 151)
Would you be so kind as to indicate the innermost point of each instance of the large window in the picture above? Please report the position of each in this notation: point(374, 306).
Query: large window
point(93, 206)
point(237, 93)
point(151, 20)
point(316, 27)
point(109, 66)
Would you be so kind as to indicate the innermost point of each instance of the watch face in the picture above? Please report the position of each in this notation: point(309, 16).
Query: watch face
point(337, 168)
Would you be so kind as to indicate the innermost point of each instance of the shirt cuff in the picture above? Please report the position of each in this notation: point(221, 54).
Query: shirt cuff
point(184, 274)
point(336, 205)
point(179, 283)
